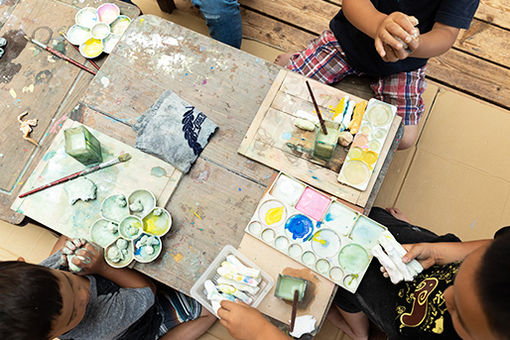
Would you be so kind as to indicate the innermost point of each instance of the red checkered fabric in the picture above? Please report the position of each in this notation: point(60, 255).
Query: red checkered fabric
point(325, 61)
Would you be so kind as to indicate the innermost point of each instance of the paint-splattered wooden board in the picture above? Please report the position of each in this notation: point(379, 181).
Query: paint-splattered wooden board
point(51, 206)
point(272, 129)
point(33, 80)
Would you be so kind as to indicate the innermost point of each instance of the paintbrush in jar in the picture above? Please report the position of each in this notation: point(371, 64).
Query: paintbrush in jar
point(60, 55)
point(321, 120)
point(294, 311)
point(120, 159)
point(96, 66)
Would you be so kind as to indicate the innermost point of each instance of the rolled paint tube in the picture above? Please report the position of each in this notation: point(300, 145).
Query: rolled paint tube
point(245, 288)
point(340, 109)
point(304, 124)
point(357, 116)
point(216, 297)
point(395, 251)
point(237, 277)
point(242, 269)
point(348, 115)
point(235, 292)
point(307, 116)
point(392, 270)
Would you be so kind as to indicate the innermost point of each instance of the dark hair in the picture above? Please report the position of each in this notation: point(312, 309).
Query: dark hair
point(493, 285)
point(30, 300)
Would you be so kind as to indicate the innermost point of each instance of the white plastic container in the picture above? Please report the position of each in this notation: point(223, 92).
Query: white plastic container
point(199, 293)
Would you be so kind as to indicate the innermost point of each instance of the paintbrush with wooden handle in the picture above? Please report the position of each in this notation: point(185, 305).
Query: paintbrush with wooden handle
point(60, 55)
point(122, 158)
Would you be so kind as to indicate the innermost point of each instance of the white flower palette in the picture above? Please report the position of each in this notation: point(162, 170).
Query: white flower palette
point(367, 144)
point(316, 230)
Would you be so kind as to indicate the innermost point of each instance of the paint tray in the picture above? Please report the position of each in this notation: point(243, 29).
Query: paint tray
point(316, 230)
point(367, 144)
point(199, 293)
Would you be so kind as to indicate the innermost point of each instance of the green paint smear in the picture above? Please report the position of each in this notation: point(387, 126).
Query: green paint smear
point(158, 171)
point(49, 155)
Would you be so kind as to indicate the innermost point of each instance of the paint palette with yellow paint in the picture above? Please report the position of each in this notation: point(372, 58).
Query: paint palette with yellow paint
point(131, 228)
point(367, 145)
point(316, 230)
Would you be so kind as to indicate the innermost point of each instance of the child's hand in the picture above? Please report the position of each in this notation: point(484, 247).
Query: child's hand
point(242, 321)
point(424, 253)
point(396, 26)
point(89, 258)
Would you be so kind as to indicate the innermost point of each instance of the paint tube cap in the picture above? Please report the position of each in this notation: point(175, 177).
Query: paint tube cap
point(3, 42)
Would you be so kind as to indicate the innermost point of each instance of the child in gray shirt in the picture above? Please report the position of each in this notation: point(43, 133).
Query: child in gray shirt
point(100, 302)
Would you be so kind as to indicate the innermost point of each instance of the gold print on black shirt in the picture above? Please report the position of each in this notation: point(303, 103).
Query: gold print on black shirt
point(421, 306)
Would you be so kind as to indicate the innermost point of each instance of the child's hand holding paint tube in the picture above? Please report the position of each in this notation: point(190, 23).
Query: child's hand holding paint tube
point(83, 257)
point(397, 37)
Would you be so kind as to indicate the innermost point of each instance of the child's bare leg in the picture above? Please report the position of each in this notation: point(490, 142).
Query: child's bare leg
point(355, 325)
point(283, 59)
point(191, 330)
point(399, 215)
point(409, 137)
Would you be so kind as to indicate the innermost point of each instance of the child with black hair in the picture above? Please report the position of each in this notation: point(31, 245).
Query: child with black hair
point(390, 41)
point(462, 293)
point(100, 302)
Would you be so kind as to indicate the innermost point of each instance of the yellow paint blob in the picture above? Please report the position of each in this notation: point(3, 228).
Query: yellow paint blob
point(340, 108)
point(356, 172)
point(92, 48)
point(151, 227)
point(369, 157)
point(355, 153)
point(317, 239)
point(178, 257)
point(274, 215)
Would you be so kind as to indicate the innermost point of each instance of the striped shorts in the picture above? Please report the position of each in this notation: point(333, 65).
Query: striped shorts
point(325, 61)
point(176, 308)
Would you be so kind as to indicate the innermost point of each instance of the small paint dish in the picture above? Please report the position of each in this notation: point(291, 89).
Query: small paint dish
point(353, 258)
point(114, 208)
point(351, 280)
point(108, 13)
point(119, 254)
point(281, 243)
point(141, 202)
point(255, 228)
point(157, 222)
point(322, 266)
point(295, 251)
point(379, 114)
point(272, 213)
point(104, 232)
point(268, 235)
point(120, 25)
point(130, 227)
point(313, 204)
point(86, 17)
point(356, 172)
point(147, 248)
point(91, 48)
point(308, 258)
point(336, 273)
point(77, 34)
point(100, 31)
point(110, 42)
point(299, 227)
point(287, 189)
point(325, 243)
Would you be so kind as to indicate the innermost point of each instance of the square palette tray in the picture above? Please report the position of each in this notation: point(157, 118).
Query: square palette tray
point(367, 144)
point(316, 230)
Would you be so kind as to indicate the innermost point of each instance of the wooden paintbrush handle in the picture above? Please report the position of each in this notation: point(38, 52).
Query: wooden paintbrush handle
point(294, 310)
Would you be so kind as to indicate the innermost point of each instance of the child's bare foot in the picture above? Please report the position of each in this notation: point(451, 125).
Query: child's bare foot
point(283, 59)
point(397, 214)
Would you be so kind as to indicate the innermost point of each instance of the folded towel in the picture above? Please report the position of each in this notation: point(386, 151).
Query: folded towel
point(174, 131)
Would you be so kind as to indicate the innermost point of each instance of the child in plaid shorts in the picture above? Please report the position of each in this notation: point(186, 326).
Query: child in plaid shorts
point(390, 40)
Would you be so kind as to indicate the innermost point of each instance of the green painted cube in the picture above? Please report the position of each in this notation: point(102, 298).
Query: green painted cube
point(82, 145)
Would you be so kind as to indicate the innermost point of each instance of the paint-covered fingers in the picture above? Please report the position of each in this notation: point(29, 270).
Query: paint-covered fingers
point(422, 252)
point(391, 55)
point(89, 259)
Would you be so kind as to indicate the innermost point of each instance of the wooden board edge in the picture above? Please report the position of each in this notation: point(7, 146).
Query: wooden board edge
point(261, 113)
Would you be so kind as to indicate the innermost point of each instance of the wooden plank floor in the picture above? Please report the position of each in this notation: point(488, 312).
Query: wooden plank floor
point(478, 64)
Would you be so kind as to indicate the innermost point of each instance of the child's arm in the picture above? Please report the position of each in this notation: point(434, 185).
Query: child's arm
point(436, 42)
point(246, 323)
point(429, 254)
point(95, 264)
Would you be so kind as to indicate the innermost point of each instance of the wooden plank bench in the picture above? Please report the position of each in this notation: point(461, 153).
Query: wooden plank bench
point(478, 64)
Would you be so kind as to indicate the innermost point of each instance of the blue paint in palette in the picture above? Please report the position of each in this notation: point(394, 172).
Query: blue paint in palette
point(300, 226)
point(329, 217)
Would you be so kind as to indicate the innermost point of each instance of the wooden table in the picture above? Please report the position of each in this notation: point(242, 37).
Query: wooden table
point(214, 202)
point(34, 80)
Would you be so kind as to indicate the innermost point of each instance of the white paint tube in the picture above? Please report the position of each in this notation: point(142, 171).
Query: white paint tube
point(235, 292)
point(242, 269)
point(393, 272)
point(245, 288)
point(237, 277)
point(395, 251)
point(216, 297)
point(348, 114)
